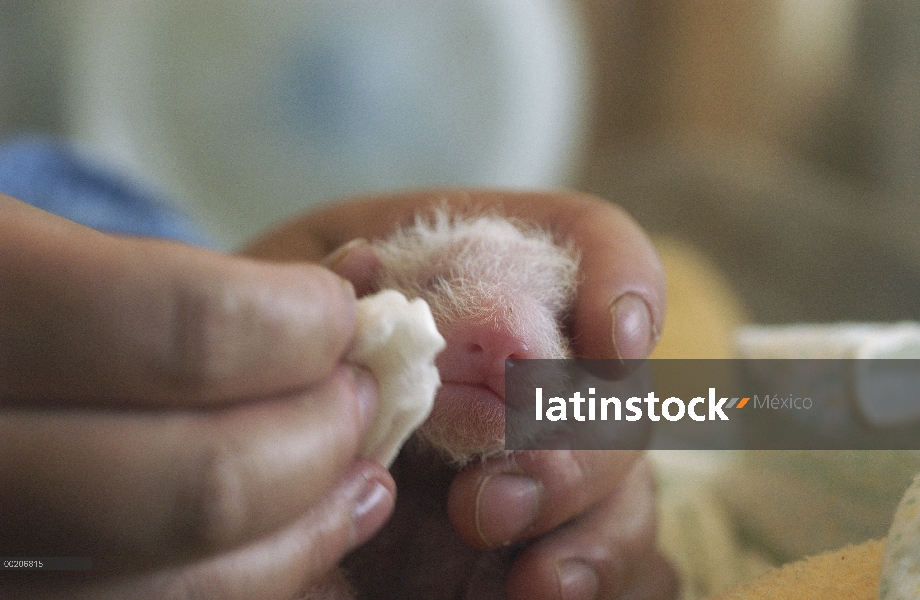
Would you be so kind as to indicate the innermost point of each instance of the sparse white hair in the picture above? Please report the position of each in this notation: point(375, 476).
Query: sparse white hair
point(464, 265)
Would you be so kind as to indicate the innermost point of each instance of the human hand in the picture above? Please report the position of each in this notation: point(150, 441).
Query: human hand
point(587, 519)
point(179, 416)
point(622, 278)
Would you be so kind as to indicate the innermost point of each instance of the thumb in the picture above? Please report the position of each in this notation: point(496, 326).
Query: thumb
point(92, 316)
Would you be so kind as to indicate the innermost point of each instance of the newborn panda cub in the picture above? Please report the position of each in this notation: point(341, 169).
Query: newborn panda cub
point(497, 289)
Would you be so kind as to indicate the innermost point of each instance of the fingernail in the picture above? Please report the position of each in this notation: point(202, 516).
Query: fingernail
point(577, 581)
point(506, 506)
point(333, 261)
point(371, 510)
point(632, 333)
point(367, 395)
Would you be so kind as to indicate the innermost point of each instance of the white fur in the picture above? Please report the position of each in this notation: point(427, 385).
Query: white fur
point(485, 267)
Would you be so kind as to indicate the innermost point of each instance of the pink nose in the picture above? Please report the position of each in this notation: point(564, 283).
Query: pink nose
point(476, 354)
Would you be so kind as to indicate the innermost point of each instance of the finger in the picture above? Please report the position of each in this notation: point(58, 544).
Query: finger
point(91, 316)
point(155, 484)
point(622, 283)
point(356, 262)
point(621, 300)
point(654, 578)
point(609, 552)
point(526, 494)
point(280, 565)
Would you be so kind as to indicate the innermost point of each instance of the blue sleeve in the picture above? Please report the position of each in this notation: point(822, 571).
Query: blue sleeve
point(54, 176)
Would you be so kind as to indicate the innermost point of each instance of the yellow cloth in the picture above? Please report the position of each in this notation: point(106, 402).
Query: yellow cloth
point(848, 574)
point(725, 517)
point(703, 310)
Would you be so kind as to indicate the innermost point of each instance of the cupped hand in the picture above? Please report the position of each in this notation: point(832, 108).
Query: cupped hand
point(179, 416)
point(589, 517)
point(620, 308)
point(573, 524)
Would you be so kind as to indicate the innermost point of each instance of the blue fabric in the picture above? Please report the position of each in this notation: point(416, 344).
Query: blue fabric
point(55, 177)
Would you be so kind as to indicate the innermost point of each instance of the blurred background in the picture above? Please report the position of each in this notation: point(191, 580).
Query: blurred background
point(779, 137)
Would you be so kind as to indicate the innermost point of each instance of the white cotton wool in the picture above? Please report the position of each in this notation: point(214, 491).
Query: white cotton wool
point(900, 576)
point(397, 340)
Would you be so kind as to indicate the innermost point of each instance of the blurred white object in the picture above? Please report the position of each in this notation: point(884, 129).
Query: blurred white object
point(813, 43)
point(397, 340)
point(900, 576)
point(256, 110)
point(884, 391)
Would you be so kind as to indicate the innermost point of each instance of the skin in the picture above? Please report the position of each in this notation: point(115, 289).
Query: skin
point(585, 519)
point(180, 416)
point(184, 418)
